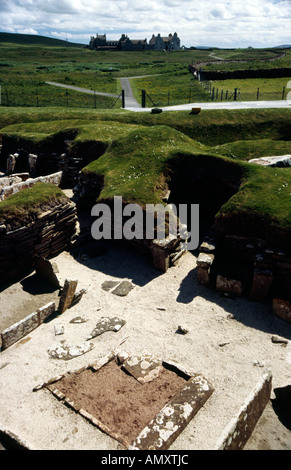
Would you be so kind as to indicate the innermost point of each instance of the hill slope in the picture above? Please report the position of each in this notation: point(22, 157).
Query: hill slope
point(33, 39)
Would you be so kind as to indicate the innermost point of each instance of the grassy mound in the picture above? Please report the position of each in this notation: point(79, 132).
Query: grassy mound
point(145, 154)
point(25, 206)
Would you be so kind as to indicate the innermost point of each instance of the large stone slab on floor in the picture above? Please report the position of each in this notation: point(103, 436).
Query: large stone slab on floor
point(174, 416)
point(67, 352)
point(237, 433)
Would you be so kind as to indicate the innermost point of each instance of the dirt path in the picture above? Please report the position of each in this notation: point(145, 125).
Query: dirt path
point(82, 90)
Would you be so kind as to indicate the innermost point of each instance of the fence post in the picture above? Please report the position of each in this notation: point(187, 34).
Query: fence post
point(221, 95)
point(235, 94)
point(122, 99)
point(143, 98)
point(226, 95)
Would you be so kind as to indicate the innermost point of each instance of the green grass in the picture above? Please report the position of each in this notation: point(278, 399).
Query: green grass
point(261, 207)
point(251, 89)
point(250, 149)
point(171, 88)
point(136, 166)
point(26, 65)
point(210, 127)
point(33, 39)
point(141, 150)
point(26, 205)
point(133, 165)
point(250, 59)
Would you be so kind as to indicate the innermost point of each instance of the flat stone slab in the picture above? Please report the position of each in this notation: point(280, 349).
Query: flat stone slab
point(174, 416)
point(121, 288)
point(109, 285)
point(144, 369)
point(66, 352)
point(237, 433)
point(106, 324)
point(279, 161)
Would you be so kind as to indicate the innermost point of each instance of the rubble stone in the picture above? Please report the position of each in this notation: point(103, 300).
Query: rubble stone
point(229, 286)
point(282, 308)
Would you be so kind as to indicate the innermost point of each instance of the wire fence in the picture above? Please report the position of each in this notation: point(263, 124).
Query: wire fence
point(173, 97)
point(69, 99)
point(223, 94)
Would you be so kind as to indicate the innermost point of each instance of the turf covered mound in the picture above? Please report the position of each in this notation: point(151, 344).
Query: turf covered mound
point(141, 161)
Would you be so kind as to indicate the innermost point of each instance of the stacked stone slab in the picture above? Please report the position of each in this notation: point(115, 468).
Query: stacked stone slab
point(51, 233)
point(205, 261)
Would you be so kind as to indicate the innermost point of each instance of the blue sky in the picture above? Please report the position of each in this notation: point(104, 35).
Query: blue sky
point(239, 23)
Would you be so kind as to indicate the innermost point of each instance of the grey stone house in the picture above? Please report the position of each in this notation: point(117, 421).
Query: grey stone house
point(171, 42)
point(168, 43)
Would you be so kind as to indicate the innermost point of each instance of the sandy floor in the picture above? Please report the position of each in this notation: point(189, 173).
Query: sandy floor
point(228, 340)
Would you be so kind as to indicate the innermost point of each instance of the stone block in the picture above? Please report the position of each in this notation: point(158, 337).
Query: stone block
point(20, 329)
point(229, 286)
point(161, 260)
point(45, 311)
point(10, 164)
point(47, 270)
point(262, 281)
point(237, 433)
point(67, 295)
point(203, 276)
point(207, 247)
point(205, 260)
point(282, 308)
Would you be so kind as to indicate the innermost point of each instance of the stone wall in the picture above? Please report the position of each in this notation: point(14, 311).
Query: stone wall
point(51, 233)
point(239, 74)
point(237, 266)
point(17, 184)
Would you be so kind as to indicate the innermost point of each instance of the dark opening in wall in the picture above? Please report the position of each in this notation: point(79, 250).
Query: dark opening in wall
point(202, 180)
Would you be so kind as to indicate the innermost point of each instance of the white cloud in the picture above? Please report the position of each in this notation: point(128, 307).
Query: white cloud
point(238, 23)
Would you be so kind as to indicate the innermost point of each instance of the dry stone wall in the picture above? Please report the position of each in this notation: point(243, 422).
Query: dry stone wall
point(51, 233)
point(237, 266)
point(17, 184)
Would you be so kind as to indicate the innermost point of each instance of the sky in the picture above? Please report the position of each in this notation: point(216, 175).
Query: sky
point(225, 24)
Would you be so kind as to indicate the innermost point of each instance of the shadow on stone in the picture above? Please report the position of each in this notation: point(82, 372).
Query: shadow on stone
point(36, 284)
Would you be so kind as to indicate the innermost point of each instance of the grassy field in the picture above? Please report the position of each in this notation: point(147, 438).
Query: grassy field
point(141, 149)
point(249, 59)
point(252, 89)
point(26, 66)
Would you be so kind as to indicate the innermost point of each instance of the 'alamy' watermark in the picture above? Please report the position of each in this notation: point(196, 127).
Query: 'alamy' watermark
point(130, 221)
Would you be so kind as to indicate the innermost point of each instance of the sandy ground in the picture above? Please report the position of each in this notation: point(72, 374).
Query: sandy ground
point(228, 341)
